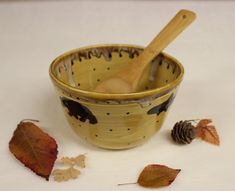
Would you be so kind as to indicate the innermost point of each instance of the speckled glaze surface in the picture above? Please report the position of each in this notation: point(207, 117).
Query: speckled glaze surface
point(114, 121)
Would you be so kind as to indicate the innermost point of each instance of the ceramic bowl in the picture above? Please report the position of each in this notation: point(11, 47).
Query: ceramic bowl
point(114, 121)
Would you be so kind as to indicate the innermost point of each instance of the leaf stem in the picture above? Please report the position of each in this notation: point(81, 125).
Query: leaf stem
point(129, 183)
point(194, 120)
point(33, 120)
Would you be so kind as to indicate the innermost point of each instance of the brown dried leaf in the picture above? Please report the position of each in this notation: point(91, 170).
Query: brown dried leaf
point(204, 122)
point(80, 161)
point(34, 148)
point(66, 174)
point(156, 175)
point(209, 134)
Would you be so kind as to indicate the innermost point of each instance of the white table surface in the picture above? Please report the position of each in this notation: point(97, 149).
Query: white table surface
point(32, 34)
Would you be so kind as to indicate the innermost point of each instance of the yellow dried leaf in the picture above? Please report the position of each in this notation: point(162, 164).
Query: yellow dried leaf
point(71, 172)
point(66, 174)
point(67, 161)
point(80, 161)
point(74, 173)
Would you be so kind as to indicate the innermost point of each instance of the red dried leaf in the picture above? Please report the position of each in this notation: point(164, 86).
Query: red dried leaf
point(34, 148)
point(156, 175)
point(208, 134)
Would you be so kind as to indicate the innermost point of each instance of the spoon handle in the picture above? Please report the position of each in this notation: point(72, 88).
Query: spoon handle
point(179, 22)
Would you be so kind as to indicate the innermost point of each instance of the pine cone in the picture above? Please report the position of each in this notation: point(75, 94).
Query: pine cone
point(183, 132)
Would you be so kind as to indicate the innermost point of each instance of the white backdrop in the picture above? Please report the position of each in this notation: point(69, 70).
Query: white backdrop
point(32, 34)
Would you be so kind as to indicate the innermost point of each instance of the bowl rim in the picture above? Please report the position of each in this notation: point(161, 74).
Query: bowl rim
point(107, 96)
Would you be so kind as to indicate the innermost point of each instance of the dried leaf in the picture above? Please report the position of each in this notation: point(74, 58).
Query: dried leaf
point(203, 122)
point(208, 134)
point(80, 161)
point(34, 148)
point(67, 161)
point(71, 161)
point(66, 174)
point(71, 172)
point(156, 175)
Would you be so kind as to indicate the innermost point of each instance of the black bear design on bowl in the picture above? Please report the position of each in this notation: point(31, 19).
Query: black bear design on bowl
point(77, 110)
point(162, 107)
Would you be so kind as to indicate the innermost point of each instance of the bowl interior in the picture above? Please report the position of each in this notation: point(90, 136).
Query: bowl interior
point(85, 68)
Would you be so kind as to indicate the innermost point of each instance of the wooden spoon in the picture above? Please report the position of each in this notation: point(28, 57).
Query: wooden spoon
point(126, 80)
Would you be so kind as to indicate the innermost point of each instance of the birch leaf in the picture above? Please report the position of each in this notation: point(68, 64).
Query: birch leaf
point(209, 134)
point(34, 148)
point(156, 176)
point(204, 122)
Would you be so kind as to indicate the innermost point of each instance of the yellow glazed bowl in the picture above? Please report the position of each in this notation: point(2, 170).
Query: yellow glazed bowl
point(114, 121)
